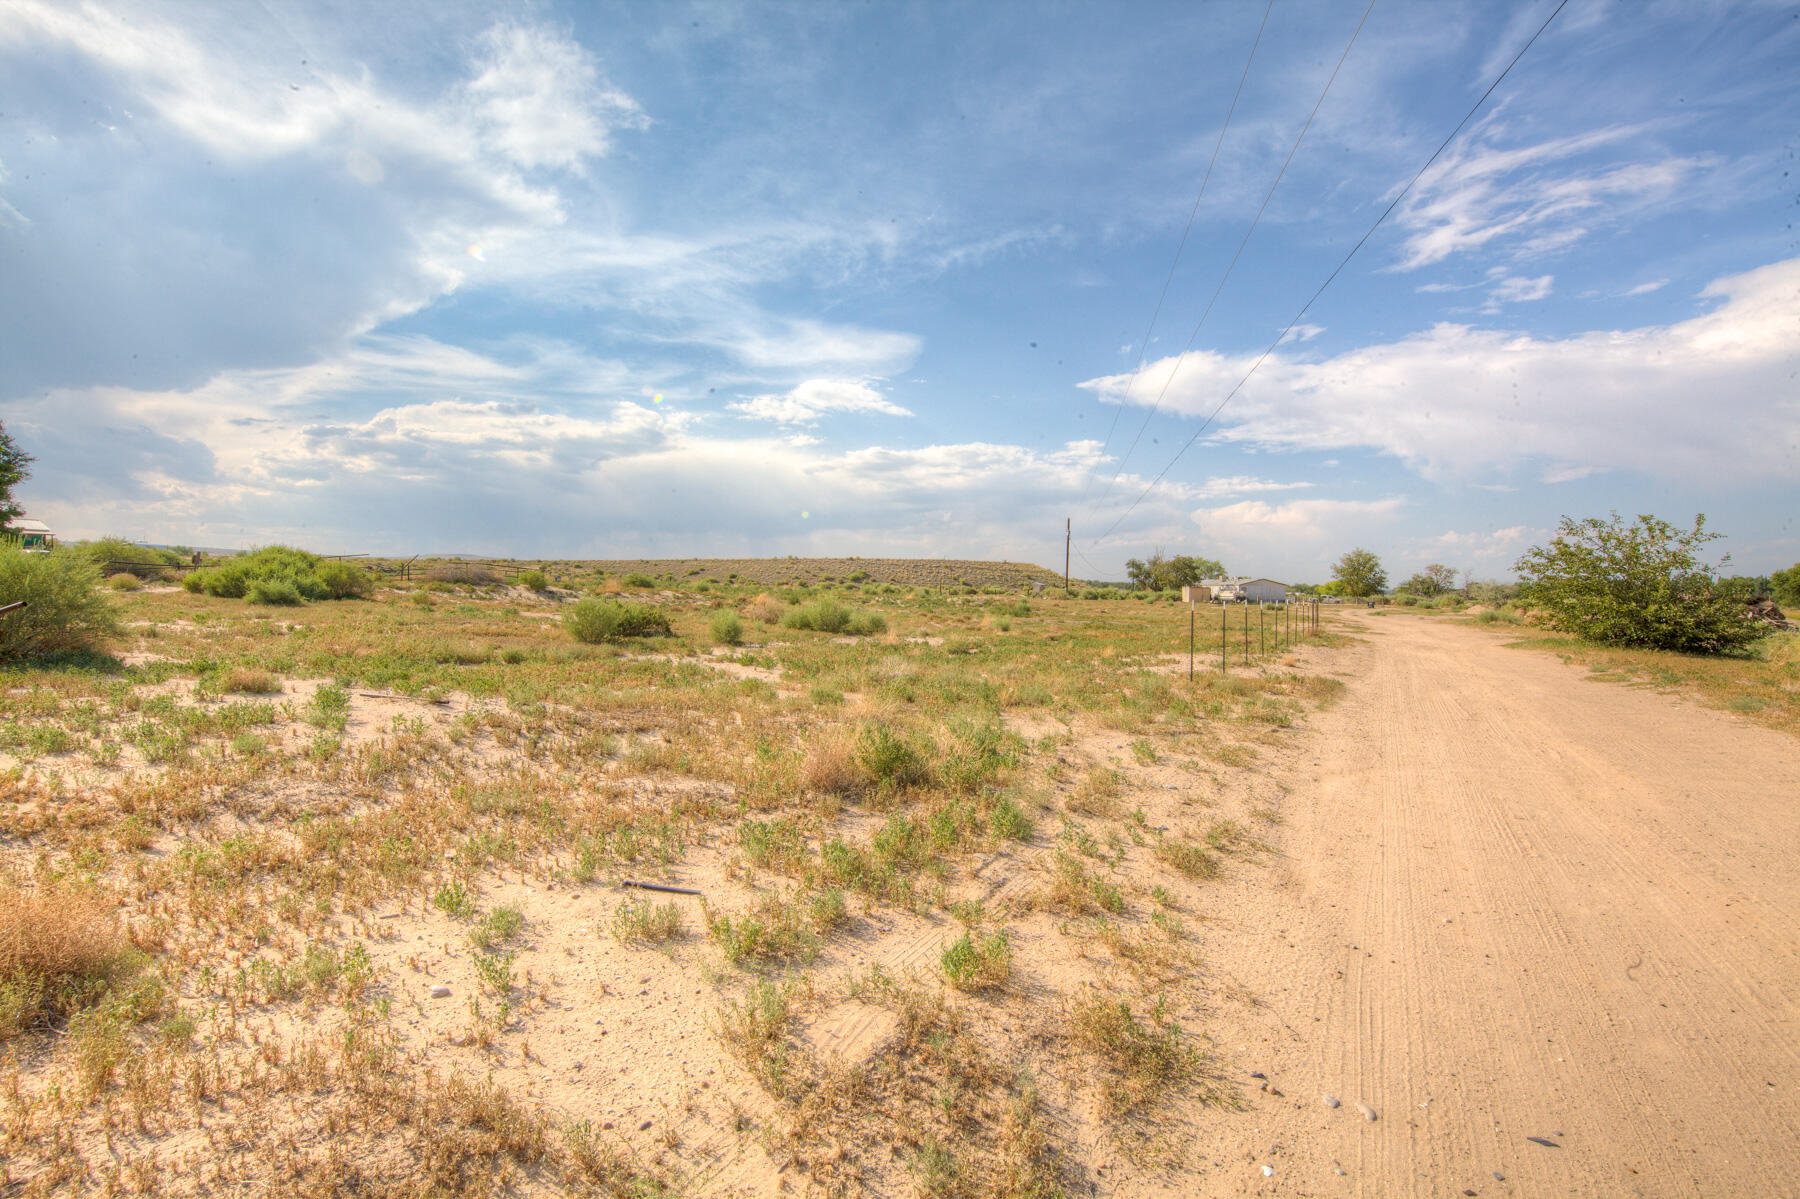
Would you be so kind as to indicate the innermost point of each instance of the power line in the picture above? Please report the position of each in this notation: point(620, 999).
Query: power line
point(1232, 265)
point(1307, 307)
point(1144, 347)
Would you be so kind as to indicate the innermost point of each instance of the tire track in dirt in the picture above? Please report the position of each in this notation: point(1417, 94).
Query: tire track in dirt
point(1571, 906)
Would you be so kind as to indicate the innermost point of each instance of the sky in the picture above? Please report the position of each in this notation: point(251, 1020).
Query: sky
point(904, 280)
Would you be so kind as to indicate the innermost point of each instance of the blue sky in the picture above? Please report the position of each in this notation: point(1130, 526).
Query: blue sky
point(750, 279)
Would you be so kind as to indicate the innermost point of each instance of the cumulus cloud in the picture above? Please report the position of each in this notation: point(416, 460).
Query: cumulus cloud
point(1256, 536)
point(805, 404)
point(1710, 396)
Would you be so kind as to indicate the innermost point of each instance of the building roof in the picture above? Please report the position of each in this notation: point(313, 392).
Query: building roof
point(25, 524)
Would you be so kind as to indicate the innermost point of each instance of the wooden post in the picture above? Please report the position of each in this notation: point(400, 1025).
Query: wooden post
point(1068, 539)
point(1191, 606)
point(1262, 641)
point(1222, 641)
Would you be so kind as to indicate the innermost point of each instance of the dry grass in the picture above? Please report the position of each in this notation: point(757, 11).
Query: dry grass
point(60, 950)
point(831, 766)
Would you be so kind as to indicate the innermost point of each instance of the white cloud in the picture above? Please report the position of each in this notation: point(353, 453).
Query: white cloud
point(1707, 397)
point(805, 404)
point(1218, 488)
point(1302, 332)
point(1511, 289)
point(1534, 196)
point(1489, 553)
point(1255, 536)
point(1644, 289)
point(539, 100)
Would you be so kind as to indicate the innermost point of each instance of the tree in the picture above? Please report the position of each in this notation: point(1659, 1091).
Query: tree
point(1361, 573)
point(15, 466)
point(1433, 580)
point(1641, 584)
point(1786, 586)
point(1162, 573)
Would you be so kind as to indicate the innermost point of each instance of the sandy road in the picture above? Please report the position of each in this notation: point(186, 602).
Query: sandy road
point(1514, 903)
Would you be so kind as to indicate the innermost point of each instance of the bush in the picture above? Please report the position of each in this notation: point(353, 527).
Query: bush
point(59, 951)
point(66, 610)
point(280, 592)
point(641, 581)
point(344, 581)
point(727, 628)
point(593, 620)
point(829, 616)
point(111, 554)
point(232, 578)
point(124, 581)
point(533, 579)
point(1640, 585)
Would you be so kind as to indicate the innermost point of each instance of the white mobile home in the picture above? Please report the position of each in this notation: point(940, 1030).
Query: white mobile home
point(1244, 590)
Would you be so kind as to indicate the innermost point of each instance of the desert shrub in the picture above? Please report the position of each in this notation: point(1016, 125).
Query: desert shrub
point(344, 581)
point(234, 577)
point(280, 592)
point(640, 580)
point(592, 620)
point(533, 579)
point(65, 610)
point(891, 759)
point(830, 767)
point(829, 616)
point(60, 951)
point(767, 609)
point(124, 581)
point(971, 963)
point(471, 573)
point(112, 554)
point(727, 628)
point(1642, 585)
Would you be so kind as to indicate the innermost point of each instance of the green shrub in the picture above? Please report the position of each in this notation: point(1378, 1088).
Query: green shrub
point(280, 592)
point(1642, 585)
point(111, 554)
point(344, 581)
point(592, 620)
point(827, 615)
point(193, 581)
point(124, 581)
point(727, 628)
point(65, 611)
point(889, 758)
point(640, 580)
point(972, 964)
point(533, 579)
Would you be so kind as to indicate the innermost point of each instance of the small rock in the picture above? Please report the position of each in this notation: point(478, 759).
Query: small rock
point(644, 1127)
point(577, 1065)
point(1499, 1177)
point(1268, 1171)
point(1275, 1091)
point(1257, 1074)
point(1367, 1111)
point(1341, 1172)
point(608, 1125)
point(1331, 1101)
point(440, 992)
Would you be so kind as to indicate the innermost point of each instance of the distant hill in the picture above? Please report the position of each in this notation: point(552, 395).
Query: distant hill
point(775, 572)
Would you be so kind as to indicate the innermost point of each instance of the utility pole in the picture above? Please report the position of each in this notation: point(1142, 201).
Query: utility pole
point(1068, 538)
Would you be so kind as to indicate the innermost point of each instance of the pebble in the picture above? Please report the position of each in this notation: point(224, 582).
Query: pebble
point(1367, 1111)
point(440, 992)
point(1499, 1177)
point(1257, 1074)
point(644, 1127)
point(1268, 1171)
point(1331, 1101)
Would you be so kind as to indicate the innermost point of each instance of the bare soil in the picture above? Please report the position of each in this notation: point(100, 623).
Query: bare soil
point(1543, 928)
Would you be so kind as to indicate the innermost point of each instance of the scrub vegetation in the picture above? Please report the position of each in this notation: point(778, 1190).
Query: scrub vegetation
point(326, 897)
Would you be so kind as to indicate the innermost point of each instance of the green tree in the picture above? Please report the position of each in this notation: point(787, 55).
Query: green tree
point(15, 468)
point(1435, 579)
point(1361, 573)
point(1162, 573)
point(1786, 586)
point(1641, 584)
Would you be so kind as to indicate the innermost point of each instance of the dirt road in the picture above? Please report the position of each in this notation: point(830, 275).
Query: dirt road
point(1513, 904)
